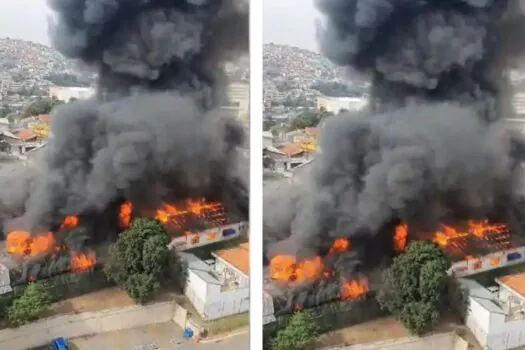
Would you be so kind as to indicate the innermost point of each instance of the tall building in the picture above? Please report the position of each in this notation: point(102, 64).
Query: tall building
point(239, 95)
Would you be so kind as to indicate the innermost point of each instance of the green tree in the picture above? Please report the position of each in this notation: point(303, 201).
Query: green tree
point(309, 118)
point(41, 106)
point(140, 259)
point(417, 286)
point(33, 303)
point(301, 330)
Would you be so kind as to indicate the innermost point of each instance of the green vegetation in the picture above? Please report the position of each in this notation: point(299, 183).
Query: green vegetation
point(30, 306)
point(140, 259)
point(417, 288)
point(41, 106)
point(300, 331)
point(309, 118)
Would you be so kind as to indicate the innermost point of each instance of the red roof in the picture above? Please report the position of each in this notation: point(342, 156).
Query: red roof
point(291, 149)
point(26, 134)
point(515, 282)
point(238, 257)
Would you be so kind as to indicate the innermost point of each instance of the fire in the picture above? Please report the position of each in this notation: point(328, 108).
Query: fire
point(400, 237)
point(309, 270)
point(82, 261)
point(126, 210)
point(69, 223)
point(22, 243)
point(18, 242)
point(479, 229)
point(287, 269)
point(353, 289)
point(340, 245)
point(42, 244)
point(282, 267)
point(213, 211)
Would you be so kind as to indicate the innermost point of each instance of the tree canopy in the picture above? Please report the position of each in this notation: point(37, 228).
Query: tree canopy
point(41, 106)
point(140, 259)
point(301, 330)
point(309, 118)
point(30, 306)
point(417, 286)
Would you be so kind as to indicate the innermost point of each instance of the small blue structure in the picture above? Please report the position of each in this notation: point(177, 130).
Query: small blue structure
point(188, 333)
point(59, 344)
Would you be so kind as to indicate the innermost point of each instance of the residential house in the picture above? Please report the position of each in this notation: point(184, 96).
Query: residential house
point(496, 315)
point(219, 287)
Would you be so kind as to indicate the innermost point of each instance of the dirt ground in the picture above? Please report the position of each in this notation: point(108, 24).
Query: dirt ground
point(383, 329)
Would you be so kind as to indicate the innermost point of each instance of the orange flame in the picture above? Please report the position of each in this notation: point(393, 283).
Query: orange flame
point(22, 243)
point(309, 270)
point(81, 262)
point(42, 244)
point(69, 223)
point(287, 268)
point(353, 289)
point(282, 267)
point(169, 213)
point(479, 229)
point(340, 245)
point(18, 242)
point(126, 210)
point(400, 237)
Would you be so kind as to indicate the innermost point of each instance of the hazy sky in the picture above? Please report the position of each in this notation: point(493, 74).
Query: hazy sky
point(24, 19)
point(288, 22)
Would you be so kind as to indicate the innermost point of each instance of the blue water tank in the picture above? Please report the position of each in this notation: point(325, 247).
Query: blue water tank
point(60, 344)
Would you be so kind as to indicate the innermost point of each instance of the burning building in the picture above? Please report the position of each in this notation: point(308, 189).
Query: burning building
point(152, 142)
point(430, 157)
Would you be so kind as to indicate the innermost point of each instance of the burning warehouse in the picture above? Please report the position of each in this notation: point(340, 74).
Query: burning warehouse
point(429, 158)
point(153, 142)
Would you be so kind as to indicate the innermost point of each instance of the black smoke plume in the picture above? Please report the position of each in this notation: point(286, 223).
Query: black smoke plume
point(431, 147)
point(154, 131)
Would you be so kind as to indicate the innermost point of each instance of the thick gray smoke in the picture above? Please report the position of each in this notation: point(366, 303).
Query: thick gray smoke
point(431, 148)
point(155, 129)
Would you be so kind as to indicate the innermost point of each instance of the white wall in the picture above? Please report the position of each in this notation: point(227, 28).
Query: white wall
point(213, 303)
point(478, 321)
point(70, 326)
point(505, 334)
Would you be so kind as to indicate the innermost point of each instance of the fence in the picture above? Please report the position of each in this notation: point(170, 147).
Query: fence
point(63, 286)
point(332, 316)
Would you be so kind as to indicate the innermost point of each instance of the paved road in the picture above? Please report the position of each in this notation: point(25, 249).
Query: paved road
point(161, 335)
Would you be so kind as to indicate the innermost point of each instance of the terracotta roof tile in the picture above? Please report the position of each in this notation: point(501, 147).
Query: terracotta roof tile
point(239, 257)
point(25, 134)
point(291, 149)
point(515, 282)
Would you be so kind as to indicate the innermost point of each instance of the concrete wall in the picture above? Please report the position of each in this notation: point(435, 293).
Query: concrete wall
point(478, 321)
point(226, 303)
point(444, 341)
point(505, 334)
point(69, 326)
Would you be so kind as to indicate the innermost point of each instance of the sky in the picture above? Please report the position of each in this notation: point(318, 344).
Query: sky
point(290, 22)
point(24, 19)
